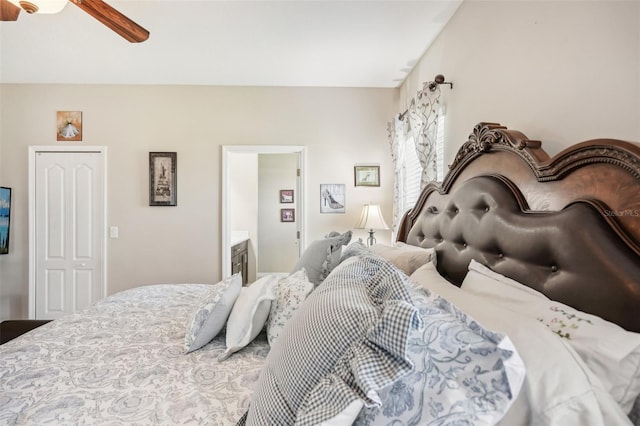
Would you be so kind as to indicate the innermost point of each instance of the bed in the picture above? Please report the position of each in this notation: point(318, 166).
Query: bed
point(511, 296)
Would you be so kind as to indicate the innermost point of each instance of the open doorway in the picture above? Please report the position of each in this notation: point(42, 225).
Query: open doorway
point(254, 209)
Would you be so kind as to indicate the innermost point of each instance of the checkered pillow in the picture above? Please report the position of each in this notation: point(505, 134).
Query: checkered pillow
point(347, 340)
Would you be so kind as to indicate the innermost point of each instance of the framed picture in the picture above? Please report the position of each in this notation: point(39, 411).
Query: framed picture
point(332, 198)
point(69, 125)
point(5, 216)
point(366, 175)
point(163, 184)
point(286, 196)
point(287, 215)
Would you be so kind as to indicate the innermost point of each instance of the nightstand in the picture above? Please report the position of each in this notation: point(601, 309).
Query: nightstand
point(240, 260)
point(11, 329)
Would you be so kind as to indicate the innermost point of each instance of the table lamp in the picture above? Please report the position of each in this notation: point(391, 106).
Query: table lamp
point(371, 218)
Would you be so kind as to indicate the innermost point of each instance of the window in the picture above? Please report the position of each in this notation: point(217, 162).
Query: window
point(407, 168)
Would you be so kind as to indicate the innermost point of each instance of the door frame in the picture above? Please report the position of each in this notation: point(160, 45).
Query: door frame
point(228, 150)
point(33, 152)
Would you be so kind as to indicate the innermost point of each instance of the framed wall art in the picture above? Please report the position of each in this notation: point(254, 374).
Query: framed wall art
point(366, 175)
point(286, 196)
point(163, 182)
point(69, 125)
point(287, 215)
point(5, 219)
point(332, 198)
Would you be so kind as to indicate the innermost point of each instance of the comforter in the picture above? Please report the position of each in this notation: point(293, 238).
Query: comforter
point(122, 361)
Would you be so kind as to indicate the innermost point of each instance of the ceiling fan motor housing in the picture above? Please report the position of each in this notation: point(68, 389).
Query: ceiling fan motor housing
point(28, 7)
point(39, 6)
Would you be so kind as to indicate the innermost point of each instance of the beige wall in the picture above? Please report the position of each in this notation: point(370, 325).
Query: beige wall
point(559, 71)
point(339, 127)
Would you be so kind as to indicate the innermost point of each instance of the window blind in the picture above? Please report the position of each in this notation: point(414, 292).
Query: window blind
point(440, 169)
point(412, 172)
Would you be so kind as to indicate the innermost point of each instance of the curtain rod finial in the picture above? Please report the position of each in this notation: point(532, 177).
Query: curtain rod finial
point(438, 80)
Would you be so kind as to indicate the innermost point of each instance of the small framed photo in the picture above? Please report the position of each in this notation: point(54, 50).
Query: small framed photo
point(287, 215)
point(5, 218)
point(163, 183)
point(69, 124)
point(332, 199)
point(286, 196)
point(366, 175)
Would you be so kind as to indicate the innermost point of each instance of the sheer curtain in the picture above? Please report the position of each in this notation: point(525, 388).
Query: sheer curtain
point(413, 138)
point(428, 109)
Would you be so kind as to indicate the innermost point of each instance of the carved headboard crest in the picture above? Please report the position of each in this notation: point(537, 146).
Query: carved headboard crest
point(493, 136)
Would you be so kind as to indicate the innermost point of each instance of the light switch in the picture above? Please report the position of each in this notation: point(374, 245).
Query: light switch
point(113, 232)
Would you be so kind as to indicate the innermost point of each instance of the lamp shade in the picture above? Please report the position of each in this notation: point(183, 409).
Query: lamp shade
point(40, 6)
point(371, 218)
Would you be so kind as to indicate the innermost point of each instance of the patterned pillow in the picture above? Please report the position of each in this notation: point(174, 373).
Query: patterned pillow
point(249, 314)
point(464, 373)
point(207, 321)
point(347, 340)
point(322, 256)
point(291, 292)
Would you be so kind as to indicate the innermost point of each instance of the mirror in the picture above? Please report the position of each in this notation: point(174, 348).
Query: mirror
point(262, 205)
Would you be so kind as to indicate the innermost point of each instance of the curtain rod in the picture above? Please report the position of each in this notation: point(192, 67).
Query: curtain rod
point(431, 85)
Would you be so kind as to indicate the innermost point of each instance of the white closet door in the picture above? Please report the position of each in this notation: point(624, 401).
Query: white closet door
point(69, 232)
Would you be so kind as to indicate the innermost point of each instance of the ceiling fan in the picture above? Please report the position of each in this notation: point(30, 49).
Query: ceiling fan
point(10, 9)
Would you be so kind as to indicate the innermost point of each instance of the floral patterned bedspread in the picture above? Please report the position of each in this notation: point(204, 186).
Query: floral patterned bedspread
point(122, 361)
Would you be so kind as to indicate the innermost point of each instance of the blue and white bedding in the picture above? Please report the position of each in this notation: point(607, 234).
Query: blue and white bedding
point(369, 345)
point(366, 338)
point(122, 361)
point(559, 389)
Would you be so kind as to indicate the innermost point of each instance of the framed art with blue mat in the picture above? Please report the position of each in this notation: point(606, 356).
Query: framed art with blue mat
point(5, 216)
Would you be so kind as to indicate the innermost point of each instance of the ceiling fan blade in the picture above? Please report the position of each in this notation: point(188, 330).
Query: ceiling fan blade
point(113, 19)
point(8, 11)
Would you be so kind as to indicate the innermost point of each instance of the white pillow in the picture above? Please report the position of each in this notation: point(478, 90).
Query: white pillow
point(610, 351)
point(500, 288)
point(290, 293)
point(207, 321)
point(558, 388)
point(405, 257)
point(249, 314)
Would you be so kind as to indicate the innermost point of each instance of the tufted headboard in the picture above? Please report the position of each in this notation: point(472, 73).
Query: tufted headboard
point(568, 226)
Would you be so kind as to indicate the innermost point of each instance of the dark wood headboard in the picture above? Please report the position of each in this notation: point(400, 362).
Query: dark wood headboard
point(568, 226)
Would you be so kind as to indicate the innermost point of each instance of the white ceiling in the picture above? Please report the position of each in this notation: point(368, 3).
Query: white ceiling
point(352, 43)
